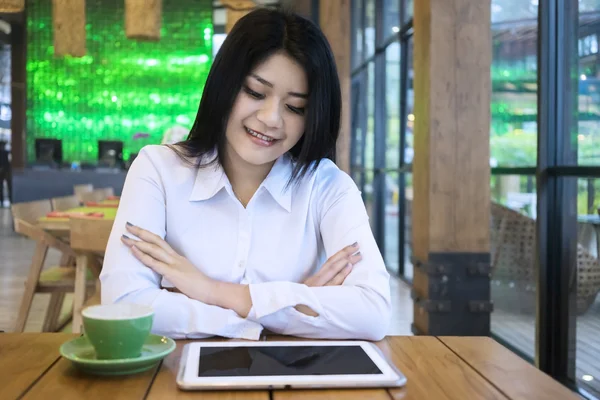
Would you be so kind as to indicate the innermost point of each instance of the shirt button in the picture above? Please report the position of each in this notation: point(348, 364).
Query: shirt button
point(241, 265)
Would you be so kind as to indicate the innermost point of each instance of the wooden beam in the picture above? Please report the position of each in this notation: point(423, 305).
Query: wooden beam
point(143, 19)
point(68, 27)
point(236, 9)
point(334, 17)
point(451, 173)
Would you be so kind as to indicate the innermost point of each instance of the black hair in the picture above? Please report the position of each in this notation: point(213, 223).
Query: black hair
point(254, 38)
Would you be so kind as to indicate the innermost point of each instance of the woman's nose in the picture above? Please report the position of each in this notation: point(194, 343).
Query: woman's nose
point(270, 114)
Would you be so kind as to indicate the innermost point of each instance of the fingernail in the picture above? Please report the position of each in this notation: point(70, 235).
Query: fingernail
point(124, 237)
point(130, 224)
point(357, 254)
point(355, 244)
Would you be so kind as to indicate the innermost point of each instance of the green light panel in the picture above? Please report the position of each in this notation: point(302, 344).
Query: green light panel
point(121, 87)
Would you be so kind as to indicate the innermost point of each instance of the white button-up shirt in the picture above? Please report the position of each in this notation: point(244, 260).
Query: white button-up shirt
point(281, 238)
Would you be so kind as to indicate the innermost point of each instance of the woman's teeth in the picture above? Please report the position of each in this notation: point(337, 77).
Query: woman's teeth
point(258, 135)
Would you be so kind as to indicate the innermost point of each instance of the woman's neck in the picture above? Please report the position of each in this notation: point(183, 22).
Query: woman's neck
point(245, 178)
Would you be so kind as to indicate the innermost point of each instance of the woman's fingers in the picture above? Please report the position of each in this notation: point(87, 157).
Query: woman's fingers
point(158, 266)
point(340, 268)
point(341, 276)
point(330, 271)
point(154, 251)
point(334, 266)
point(344, 253)
point(149, 237)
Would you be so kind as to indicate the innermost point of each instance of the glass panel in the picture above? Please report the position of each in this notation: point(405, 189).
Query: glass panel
point(408, 10)
point(370, 139)
point(408, 267)
point(369, 28)
point(588, 113)
point(357, 176)
point(512, 248)
point(359, 97)
point(410, 104)
point(589, 5)
point(357, 33)
point(368, 196)
point(513, 131)
point(392, 98)
point(587, 368)
point(391, 18)
point(392, 196)
point(514, 10)
point(517, 192)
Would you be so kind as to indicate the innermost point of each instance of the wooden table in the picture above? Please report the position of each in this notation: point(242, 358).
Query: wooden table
point(436, 368)
point(61, 226)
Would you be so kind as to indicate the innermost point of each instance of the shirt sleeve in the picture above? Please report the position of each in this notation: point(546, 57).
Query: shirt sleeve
point(125, 279)
point(358, 309)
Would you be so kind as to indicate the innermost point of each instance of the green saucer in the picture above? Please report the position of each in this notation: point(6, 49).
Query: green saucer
point(81, 353)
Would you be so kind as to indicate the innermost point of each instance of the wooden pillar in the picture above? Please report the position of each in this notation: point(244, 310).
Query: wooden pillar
point(451, 170)
point(307, 8)
point(334, 17)
point(236, 9)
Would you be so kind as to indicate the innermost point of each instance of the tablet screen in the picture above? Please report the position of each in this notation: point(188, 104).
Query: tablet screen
point(284, 361)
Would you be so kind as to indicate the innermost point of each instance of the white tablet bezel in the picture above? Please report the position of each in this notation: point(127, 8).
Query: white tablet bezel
point(188, 379)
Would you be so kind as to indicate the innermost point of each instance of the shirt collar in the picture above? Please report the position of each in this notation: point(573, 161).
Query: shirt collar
point(277, 180)
point(211, 179)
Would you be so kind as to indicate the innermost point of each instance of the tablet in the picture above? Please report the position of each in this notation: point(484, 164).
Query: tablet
point(285, 365)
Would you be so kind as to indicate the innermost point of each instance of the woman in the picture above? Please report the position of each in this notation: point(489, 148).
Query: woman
point(237, 221)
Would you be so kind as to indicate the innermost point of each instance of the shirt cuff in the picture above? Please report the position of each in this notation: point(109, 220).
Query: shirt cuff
point(270, 297)
point(245, 329)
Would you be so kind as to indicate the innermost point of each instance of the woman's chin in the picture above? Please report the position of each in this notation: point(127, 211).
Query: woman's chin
point(258, 158)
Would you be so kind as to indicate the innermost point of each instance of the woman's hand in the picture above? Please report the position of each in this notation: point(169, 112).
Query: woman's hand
point(337, 267)
point(155, 253)
point(333, 273)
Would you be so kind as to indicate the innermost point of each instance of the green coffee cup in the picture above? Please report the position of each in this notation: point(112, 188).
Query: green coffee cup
point(117, 331)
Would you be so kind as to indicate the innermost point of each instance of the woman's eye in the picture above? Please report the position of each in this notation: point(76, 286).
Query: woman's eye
point(254, 94)
point(297, 110)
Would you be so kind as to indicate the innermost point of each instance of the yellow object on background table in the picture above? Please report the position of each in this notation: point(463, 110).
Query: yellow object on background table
point(109, 213)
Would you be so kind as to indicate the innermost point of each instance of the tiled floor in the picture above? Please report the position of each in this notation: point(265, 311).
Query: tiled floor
point(15, 257)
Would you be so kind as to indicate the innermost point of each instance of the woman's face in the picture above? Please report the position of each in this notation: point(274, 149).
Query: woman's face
point(268, 115)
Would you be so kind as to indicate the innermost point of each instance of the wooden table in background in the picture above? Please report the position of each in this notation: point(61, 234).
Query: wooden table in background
point(88, 238)
point(61, 226)
point(457, 368)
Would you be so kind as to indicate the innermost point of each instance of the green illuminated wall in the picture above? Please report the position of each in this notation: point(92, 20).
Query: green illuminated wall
point(121, 87)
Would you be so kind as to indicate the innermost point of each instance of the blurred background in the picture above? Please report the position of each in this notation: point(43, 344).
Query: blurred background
point(84, 86)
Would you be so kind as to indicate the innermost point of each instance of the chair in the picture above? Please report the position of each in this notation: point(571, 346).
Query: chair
point(65, 203)
point(57, 280)
point(89, 238)
point(512, 239)
point(97, 195)
point(107, 192)
point(78, 190)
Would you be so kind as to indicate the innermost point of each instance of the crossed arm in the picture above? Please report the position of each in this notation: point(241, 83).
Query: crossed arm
point(348, 298)
point(156, 253)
